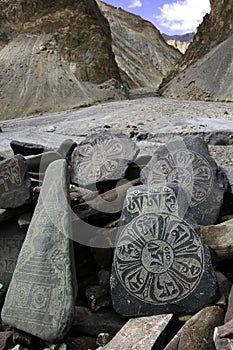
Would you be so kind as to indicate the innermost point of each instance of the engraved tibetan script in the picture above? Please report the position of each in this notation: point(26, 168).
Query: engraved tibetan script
point(10, 172)
point(159, 258)
point(161, 263)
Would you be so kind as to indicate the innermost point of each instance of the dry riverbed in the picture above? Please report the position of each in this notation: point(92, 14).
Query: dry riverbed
point(150, 121)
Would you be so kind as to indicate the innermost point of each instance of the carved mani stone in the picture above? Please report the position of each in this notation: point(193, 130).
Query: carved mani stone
point(161, 263)
point(41, 296)
point(103, 157)
point(11, 240)
point(187, 162)
point(14, 182)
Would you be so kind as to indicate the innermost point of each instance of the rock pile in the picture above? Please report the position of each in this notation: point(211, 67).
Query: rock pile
point(126, 232)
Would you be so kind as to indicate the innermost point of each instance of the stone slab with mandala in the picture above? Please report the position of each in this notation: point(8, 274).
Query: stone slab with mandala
point(187, 161)
point(161, 263)
point(15, 184)
point(102, 157)
point(41, 296)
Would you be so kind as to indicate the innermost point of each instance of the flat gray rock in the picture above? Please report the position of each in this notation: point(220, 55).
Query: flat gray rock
point(11, 240)
point(187, 162)
point(41, 296)
point(139, 333)
point(197, 332)
point(14, 182)
point(161, 263)
point(101, 157)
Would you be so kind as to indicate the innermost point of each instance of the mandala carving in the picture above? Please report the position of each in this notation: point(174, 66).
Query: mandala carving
point(159, 258)
point(99, 159)
point(187, 168)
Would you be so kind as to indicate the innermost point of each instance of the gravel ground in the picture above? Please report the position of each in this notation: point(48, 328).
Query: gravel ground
point(150, 117)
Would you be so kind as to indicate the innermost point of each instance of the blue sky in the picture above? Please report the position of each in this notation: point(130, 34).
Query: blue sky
point(169, 16)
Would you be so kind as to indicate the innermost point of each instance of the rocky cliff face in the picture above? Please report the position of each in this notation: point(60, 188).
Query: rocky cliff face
point(54, 55)
point(182, 46)
point(141, 53)
point(205, 70)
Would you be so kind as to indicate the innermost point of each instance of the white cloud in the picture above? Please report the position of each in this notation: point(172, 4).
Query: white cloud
point(135, 3)
point(184, 15)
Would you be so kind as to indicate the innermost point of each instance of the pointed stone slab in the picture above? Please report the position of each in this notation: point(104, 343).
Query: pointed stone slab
point(140, 333)
point(187, 161)
point(14, 183)
point(161, 263)
point(102, 157)
point(41, 296)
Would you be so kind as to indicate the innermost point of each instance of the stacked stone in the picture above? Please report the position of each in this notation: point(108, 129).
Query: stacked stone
point(161, 264)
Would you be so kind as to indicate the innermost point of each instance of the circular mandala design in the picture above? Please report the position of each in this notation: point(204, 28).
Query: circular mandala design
point(40, 298)
point(98, 159)
point(159, 258)
point(189, 169)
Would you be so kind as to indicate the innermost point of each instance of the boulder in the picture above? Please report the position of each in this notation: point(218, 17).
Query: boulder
point(197, 332)
point(161, 263)
point(140, 333)
point(187, 162)
point(102, 157)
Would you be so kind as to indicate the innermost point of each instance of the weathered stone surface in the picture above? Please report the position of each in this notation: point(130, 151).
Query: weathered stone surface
point(103, 339)
point(197, 333)
point(97, 297)
point(40, 299)
point(14, 182)
point(223, 333)
point(66, 148)
point(204, 71)
point(25, 148)
point(92, 323)
point(223, 344)
point(54, 56)
point(140, 51)
point(102, 157)
point(139, 333)
point(11, 240)
point(187, 161)
point(161, 263)
point(229, 313)
point(2, 292)
point(220, 239)
point(5, 340)
point(40, 162)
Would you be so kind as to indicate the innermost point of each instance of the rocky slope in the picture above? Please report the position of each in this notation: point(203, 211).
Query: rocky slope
point(179, 42)
point(205, 71)
point(141, 53)
point(182, 46)
point(54, 56)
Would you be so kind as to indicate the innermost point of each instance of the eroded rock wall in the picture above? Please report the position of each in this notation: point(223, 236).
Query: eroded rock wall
point(54, 55)
point(203, 72)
